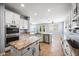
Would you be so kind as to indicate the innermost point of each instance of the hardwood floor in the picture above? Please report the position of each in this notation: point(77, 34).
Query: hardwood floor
point(54, 49)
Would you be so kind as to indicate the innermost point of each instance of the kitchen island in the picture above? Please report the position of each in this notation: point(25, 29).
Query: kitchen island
point(23, 47)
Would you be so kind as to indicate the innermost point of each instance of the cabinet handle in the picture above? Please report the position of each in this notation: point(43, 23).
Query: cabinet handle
point(14, 22)
point(28, 48)
point(33, 51)
point(36, 42)
point(66, 45)
point(66, 52)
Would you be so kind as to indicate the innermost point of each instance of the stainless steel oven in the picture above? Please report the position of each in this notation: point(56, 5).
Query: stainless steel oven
point(12, 34)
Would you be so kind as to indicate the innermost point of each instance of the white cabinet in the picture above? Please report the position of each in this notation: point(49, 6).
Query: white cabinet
point(29, 53)
point(23, 23)
point(16, 19)
point(8, 17)
point(78, 7)
point(37, 49)
point(67, 49)
point(31, 50)
point(74, 9)
point(12, 18)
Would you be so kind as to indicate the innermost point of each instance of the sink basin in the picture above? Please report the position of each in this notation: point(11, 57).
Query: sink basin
point(73, 43)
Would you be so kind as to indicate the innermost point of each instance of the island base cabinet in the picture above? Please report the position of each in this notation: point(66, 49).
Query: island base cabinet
point(29, 53)
point(37, 49)
point(31, 50)
point(15, 52)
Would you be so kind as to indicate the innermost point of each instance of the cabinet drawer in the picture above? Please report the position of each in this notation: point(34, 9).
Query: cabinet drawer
point(15, 52)
point(26, 50)
point(28, 54)
point(37, 42)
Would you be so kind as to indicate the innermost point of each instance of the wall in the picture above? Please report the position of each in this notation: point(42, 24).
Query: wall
point(52, 28)
point(57, 28)
point(2, 28)
point(61, 28)
point(33, 28)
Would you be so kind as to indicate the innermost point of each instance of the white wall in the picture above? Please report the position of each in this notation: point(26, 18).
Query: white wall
point(61, 28)
point(33, 28)
point(2, 28)
point(57, 28)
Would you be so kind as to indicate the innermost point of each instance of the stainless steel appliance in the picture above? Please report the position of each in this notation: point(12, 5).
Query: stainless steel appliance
point(12, 34)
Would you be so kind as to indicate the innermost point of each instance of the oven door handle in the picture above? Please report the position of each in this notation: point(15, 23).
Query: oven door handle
point(12, 35)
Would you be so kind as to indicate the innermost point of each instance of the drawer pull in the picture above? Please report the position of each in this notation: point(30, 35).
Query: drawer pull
point(37, 42)
point(28, 48)
point(66, 45)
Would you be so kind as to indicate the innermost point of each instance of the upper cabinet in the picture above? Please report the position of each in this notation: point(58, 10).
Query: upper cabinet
point(75, 9)
point(72, 22)
point(78, 7)
point(12, 18)
point(15, 19)
point(75, 19)
point(8, 17)
point(23, 23)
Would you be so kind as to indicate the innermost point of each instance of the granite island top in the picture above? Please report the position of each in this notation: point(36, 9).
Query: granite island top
point(22, 43)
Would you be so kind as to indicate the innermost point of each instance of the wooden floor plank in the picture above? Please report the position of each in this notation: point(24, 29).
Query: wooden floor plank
point(54, 49)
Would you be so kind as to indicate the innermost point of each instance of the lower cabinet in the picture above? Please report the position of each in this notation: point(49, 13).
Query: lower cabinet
point(68, 50)
point(28, 53)
point(31, 50)
point(35, 50)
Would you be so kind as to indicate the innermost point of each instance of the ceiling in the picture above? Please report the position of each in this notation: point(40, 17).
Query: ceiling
point(39, 12)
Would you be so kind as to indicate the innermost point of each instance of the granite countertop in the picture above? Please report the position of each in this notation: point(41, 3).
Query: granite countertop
point(22, 43)
point(45, 33)
point(73, 40)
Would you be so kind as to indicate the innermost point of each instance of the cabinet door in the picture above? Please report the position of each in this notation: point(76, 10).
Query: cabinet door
point(46, 38)
point(78, 7)
point(12, 18)
point(16, 19)
point(8, 17)
point(21, 24)
point(15, 52)
point(67, 49)
point(73, 6)
point(25, 24)
point(74, 9)
point(37, 49)
point(28, 53)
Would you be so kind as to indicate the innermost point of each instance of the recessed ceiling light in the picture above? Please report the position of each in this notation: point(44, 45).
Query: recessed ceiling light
point(49, 10)
point(22, 5)
point(35, 14)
